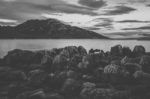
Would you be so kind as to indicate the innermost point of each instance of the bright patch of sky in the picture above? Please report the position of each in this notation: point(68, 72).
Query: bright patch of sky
point(114, 16)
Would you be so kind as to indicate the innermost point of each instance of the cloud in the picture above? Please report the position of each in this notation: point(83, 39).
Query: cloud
point(118, 10)
point(19, 11)
point(74, 9)
point(92, 28)
point(148, 5)
point(93, 3)
point(133, 21)
point(23, 10)
point(7, 21)
point(137, 1)
point(139, 28)
point(106, 23)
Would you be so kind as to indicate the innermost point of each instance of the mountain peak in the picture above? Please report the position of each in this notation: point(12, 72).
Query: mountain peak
point(48, 28)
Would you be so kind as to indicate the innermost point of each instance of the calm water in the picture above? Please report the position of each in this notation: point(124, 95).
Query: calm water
point(6, 45)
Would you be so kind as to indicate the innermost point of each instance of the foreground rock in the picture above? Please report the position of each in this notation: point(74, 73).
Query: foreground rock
point(72, 73)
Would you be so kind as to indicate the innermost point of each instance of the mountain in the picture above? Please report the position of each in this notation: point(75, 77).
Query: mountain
point(44, 29)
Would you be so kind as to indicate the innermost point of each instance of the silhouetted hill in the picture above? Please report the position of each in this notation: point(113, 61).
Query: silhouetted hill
point(49, 28)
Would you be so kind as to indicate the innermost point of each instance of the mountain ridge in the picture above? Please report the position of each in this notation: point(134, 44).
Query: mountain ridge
point(46, 29)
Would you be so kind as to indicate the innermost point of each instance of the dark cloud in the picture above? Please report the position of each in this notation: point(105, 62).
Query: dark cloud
point(123, 33)
point(73, 9)
point(93, 3)
point(22, 10)
point(118, 10)
point(132, 21)
point(104, 23)
point(148, 5)
point(92, 28)
point(139, 28)
point(137, 1)
point(8, 23)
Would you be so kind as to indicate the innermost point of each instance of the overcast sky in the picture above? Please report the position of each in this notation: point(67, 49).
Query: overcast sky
point(118, 18)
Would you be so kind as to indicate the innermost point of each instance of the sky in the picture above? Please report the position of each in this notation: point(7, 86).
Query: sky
point(113, 18)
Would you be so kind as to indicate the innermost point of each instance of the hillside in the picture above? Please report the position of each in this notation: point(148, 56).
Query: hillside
point(44, 29)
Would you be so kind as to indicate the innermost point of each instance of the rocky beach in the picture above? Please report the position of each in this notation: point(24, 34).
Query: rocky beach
point(73, 72)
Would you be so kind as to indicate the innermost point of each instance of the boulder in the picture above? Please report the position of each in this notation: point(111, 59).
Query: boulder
point(112, 69)
point(69, 51)
point(35, 94)
point(37, 77)
point(47, 62)
point(145, 62)
point(116, 50)
point(126, 51)
point(82, 51)
point(8, 75)
point(113, 74)
point(2, 63)
point(130, 60)
point(60, 62)
point(72, 74)
point(96, 93)
point(74, 61)
point(71, 87)
point(121, 95)
point(16, 58)
point(139, 50)
point(92, 61)
point(132, 68)
point(53, 96)
point(115, 62)
point(17, 76)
